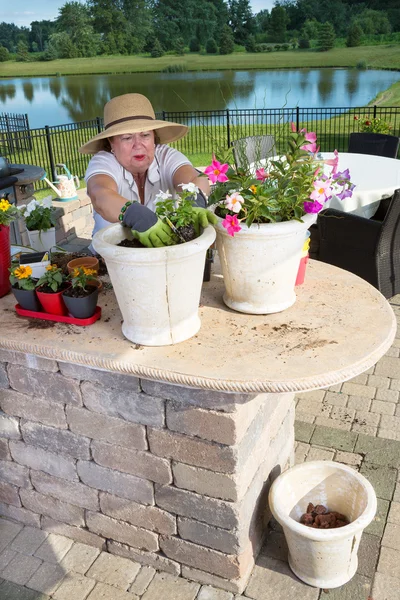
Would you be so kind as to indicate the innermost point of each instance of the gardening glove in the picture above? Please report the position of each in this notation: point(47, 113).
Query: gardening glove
point(203, 216)
point(147, 227)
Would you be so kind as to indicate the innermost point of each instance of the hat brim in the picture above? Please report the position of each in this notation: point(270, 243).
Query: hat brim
point(166, 131)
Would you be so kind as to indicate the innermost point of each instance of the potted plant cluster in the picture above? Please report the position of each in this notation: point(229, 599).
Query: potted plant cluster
point(40, 222)
point(373, 125)
point(49, 289)
point(8, 213)
point(81, 297)
point(263, 217)
point(24, 287)
point(158, 289)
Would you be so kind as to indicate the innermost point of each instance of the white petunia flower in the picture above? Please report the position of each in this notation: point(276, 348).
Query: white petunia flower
point(189, 187)
point(163, 196)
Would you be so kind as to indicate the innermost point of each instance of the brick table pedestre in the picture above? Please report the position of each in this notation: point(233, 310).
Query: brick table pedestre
point(166, 455)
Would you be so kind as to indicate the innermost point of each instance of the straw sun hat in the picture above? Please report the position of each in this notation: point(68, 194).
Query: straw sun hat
point(132, 113)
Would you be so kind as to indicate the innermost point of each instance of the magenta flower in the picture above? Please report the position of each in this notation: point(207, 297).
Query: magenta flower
point(216, 171)
point(322, 190)
point(312, 207)
point(333, 162)
point(231, 224)
point(261, 174)
point(310, 137)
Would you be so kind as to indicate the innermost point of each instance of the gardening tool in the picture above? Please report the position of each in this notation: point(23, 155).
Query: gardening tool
point(64, 186)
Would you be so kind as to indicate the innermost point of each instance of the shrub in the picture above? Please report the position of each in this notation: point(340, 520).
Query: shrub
point(157, 49)
point(277, 47)
point(361, 65)
point(226, 43)
point(194, 45)
point(354, 35)
point(179, 46)
point(211, 46)
point(4, 54)
point(326, 37)
point(286, 47)
point(251, 44)
point(22, 52)
point(269, 48)
point(304, 42)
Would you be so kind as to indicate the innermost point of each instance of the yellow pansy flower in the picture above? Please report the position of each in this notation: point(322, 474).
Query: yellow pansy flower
point(51, 267)
point(4, 205)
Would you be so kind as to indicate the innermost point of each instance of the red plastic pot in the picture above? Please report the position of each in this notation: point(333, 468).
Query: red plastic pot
point(5, 260)
point(52, 303)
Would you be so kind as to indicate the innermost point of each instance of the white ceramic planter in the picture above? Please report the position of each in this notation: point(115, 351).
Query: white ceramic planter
point(157, 289)
point(42, 241)
point(325, 558)
point(260, 264)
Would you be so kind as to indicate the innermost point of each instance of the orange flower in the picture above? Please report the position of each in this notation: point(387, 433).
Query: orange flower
point(23, 272)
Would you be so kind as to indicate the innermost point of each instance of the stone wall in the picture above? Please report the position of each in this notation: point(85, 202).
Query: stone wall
point(171, 477)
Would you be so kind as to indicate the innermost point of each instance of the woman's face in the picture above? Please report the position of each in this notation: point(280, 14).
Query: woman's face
point(134, 151)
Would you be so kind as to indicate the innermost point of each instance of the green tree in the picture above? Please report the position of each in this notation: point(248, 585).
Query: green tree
point(22, 52)
point(326, 37)
point(62, 46)
point(74, 20)
point(354, 35)
point(179, 46)
point(262, 21)
point(241, 20)
point(110, 23)
point(211, 46)
point(156, 50)
point(4, 54)
point(251, 44)
point(40, 33)
point(373, 22)
point(194, 45)
point(226, 43)
point(278, 24)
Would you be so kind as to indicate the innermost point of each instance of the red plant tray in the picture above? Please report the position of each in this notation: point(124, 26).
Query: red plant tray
point(60, 319)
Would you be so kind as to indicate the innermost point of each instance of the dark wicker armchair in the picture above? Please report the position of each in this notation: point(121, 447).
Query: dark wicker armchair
point(374, 143)
point(367, 247)
point(250, 149)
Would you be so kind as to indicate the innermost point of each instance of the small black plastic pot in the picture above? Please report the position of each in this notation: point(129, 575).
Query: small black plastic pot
point(27, 299)
point(82, 308)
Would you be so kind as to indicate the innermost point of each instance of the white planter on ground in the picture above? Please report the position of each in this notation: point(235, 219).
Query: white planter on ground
point(260, 264)
point(42, 240)
point(325, 558)
point(157, 289)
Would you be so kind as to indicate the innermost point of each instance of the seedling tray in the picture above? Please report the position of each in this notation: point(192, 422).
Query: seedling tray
point(60, 319)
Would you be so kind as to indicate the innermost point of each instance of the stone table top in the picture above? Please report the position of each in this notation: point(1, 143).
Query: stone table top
point(30, 174)
point(338, 328)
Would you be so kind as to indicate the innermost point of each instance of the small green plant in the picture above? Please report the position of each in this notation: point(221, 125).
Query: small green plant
point(20, 277)
point(373, 125)
point(178, 212)
point(82, 277)
point(53, 278)
point(39, 215)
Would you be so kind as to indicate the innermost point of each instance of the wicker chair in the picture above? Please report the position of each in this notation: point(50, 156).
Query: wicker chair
point(250, 149)
point(374, 143)
point(366, 247)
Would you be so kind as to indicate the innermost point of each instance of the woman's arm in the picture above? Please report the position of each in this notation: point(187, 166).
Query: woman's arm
point(188, 174)
point(103, 192)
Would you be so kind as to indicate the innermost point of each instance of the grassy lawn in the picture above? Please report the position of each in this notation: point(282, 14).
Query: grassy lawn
point(377, 57)
point(390, 97)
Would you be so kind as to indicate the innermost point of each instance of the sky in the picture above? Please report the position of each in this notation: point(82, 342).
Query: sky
point(23, 12)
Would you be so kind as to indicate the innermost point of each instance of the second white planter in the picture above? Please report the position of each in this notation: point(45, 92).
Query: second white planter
point(157, 289)
point(325, 558)
point(42, 241)
point(260, 264)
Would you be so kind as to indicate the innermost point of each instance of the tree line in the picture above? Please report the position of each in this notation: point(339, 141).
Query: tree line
point(207, 26)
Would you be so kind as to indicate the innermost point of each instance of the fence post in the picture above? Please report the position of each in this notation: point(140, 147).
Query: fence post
point(297, 118)
point(50, 151)
point(9, 135)
point(163, 115)
point(228, 130)
point(374, 111)
point(98, 122)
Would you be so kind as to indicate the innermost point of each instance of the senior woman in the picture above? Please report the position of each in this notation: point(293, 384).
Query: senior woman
point(132, 164)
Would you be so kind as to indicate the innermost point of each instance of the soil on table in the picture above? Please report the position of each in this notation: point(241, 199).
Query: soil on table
point(319, 517)
point(62, 258)
point(79, 292)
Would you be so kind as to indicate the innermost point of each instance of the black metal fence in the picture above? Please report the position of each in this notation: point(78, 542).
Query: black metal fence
point(209, 130)
point(14, 133)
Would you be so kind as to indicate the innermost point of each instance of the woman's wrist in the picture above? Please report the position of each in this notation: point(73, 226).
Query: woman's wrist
point(123, 211)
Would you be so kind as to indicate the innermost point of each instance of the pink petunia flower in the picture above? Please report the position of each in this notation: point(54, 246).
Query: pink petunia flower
point(322, 190)
point(261, 174)
point(234, 202)
point(312, 207)
point(216, 171)
point(333, 162)
point(231, 224)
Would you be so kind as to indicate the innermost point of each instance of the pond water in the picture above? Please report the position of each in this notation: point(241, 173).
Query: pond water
point(59, 100)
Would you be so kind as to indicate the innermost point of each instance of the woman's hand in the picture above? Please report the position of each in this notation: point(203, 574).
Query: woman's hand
point(147, 227)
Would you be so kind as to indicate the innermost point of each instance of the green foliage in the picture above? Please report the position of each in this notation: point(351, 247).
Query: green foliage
point(277, 24)
point(61, 45)
point(304, 43)
point(354, 35)
point(180, 212)
point(179, 46)
point(20, 277)
point(374, 125)
point(251, 44)
point(156, 50)
point(226, 43)
point(211, 46)
point(176, 68)
point(82, 277)
point(326, 37)
point(194, 45)
point(53, 278)
point(22, 52)
point(361, 65)
point(373, 22)
point(4, 54)
point(241, 20)
point(39, 215)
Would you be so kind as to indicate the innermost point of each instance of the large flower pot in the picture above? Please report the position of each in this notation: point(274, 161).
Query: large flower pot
point(27, 299)
point(325, 558)
point(5, 260)
point(260, 264)
point(42, 241)
point(157, 289)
